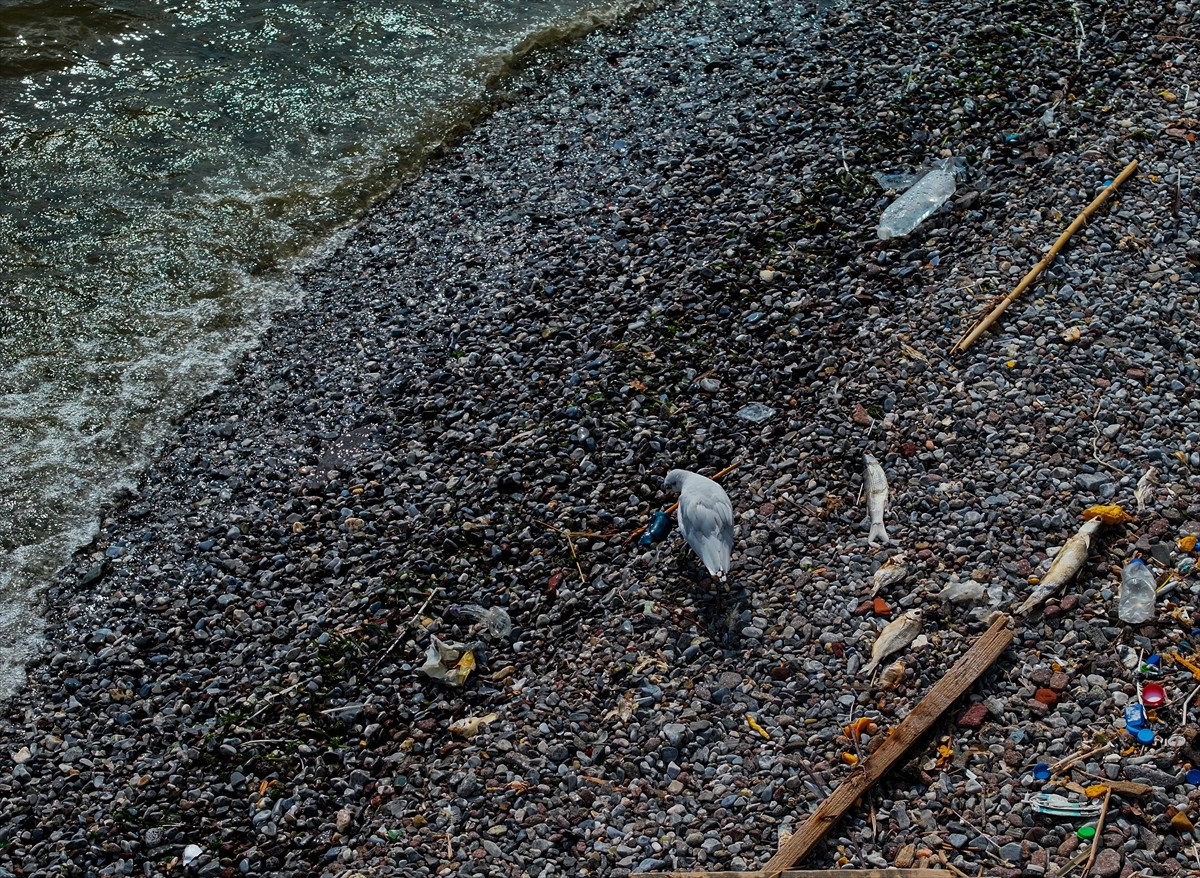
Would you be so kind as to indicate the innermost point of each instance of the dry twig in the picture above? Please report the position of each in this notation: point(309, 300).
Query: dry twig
point(982, 326)
point(1087, 867)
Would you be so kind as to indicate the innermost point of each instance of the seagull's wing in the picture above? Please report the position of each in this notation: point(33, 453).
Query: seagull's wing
point(706, 522)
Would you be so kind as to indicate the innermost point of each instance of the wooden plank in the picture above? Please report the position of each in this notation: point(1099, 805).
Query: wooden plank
point(807, 873)
point(945, 692)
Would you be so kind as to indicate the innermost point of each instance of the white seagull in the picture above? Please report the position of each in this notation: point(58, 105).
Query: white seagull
point(705, 518)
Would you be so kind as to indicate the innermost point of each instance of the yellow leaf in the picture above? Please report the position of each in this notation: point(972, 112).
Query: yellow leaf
point(753, 723)
point(850, 759)
point(1186, 544)
point(944, 754)
point(1012, 364)
point(1108, 514)
point(1168, 96)
point(1096, 790)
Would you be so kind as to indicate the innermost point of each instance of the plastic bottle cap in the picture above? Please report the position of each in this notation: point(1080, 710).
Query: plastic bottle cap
point(1041, 771)
point(1086, 832)
point(1145, 736)
point(1193, 777)
point(1153, 695)
point(1154, 660)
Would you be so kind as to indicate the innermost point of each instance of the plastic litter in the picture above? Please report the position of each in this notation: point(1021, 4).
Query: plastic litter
point(657, 529)
point(449, 663)
point(1135, 603)
point(495, 620)
point(1114, 514)
point(917, 202)
point(1135, 717)
point(190, 853)
point(1153, 695)
point(1041, 771)
point(896, 182)
point(1145, 736)
point(1193, 776)
point(755, 412)
point(1086, 832)
point(964, 593)
point(1061, 806)
point(469, 725)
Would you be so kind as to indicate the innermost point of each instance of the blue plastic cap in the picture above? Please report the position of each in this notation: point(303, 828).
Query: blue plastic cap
point(1041, 771)
point(1154, 660)
point(1135, 561)
point(1145, 736)
point(1193, 777)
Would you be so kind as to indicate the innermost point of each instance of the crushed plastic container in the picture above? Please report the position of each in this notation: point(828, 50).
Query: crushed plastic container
point(1135, 603)
point(917, 202)
point(494, 619)
point(657, 529)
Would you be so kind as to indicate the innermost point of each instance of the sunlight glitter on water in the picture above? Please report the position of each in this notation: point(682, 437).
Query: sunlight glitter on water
point(162, 166)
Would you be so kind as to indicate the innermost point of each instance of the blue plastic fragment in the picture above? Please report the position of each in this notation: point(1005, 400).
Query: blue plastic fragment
point(657, 529)
point(1041, 771)
point(1193, 776)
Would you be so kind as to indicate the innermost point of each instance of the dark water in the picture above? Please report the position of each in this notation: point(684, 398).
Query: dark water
point(162, 167)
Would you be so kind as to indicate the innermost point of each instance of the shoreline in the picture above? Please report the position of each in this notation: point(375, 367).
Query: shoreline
point(514, 345)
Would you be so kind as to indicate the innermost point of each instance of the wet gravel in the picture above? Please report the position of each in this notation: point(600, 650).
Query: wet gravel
point(661, 234)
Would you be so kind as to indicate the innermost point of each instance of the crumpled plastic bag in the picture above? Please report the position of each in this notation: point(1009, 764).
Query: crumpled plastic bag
point(449, 663)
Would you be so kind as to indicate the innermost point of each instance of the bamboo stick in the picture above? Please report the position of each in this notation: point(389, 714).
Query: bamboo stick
point(982, 326)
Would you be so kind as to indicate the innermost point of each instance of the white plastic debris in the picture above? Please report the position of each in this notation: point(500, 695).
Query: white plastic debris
point(494, 619)
point(190, 853)
point(755, 412)
point(917, 202)
point(450, 663)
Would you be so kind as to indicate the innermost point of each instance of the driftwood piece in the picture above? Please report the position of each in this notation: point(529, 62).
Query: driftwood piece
point(807, 873)
point(982, 326)
point(945, 692)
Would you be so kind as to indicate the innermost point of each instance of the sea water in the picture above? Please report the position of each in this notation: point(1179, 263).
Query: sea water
point(163, 166)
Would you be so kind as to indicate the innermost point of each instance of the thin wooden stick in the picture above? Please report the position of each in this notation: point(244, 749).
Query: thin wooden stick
point(982, 326)
point(903, 737)
point(953, 868)
point(575, 558)
point(1087, 867)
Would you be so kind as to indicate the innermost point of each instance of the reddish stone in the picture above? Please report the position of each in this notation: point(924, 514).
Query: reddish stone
point(973, 717)
point(881, 607)
point(908, 449)
point(1070, 603)
point(864, 608)
point(1047, 697)
point(861, 417)
point(1059, 681)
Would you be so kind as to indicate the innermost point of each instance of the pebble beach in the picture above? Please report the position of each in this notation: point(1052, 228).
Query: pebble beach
point(657, 248)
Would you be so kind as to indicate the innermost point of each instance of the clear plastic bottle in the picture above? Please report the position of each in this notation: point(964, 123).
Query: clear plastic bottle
point(1135, 603)
point(917, 202)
